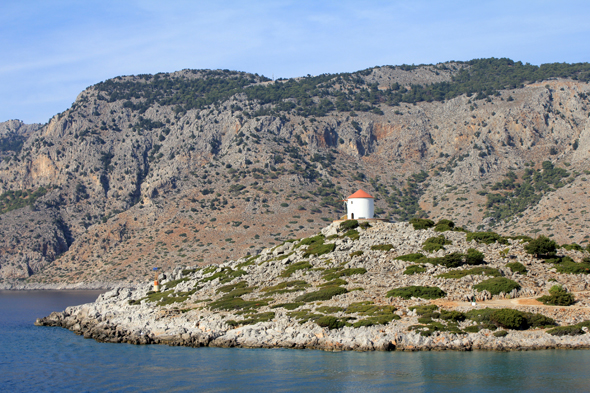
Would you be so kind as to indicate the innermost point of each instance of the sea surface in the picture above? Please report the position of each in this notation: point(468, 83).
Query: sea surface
point(47, 359)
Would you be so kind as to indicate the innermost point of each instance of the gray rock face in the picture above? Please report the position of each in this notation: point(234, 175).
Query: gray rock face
point(120, 169)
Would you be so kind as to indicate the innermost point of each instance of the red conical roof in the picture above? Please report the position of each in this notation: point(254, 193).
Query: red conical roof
point(360, 194)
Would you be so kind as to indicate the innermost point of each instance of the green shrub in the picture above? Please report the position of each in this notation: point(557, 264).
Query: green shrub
point(348, 225)
point(311, 240)
point(325, 293)
point(417, 291)
point(496, 285)
point(456, 274)
point(538, 320)
point(289, 306)
point(455, 316)
point(571, 330)
point(330, 322)
point(454, 259)
point(356, 253)
point(255, 318)
point(229, 288)
point(236, 303)
point(558, 297)
point(382, 247)
point(435, 243)
point(501, 333)
point(424, 309)
point(294, 267)
point(332, 274)
point(410, 257)
point(472, 329)
point(319, 249)
point(334, 283)
point(286, 287)
point(517, 267)
point(421, 223)
point(474, 257)
point(573, 247)
point(377, 315)
point(329, 309)
point(352, 234)
point(444, 225)
point(414, 269)
point(509, 319)
point(365, 225)
point(541, 246)
point(569, 266)
point(486, 237)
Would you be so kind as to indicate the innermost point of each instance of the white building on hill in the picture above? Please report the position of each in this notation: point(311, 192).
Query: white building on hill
point(359, 205)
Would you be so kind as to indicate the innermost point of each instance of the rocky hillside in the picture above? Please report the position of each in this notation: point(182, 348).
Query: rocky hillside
point(200, 166)
point(361, 286)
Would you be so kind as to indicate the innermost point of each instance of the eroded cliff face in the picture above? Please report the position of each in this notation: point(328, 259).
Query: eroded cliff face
point(113, 186)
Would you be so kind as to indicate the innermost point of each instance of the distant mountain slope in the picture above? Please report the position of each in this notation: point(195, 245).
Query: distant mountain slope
point(200, 165)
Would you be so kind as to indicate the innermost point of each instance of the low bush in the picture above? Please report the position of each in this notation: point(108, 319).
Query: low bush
point(288, 306)
point(325, 293)
point(497, 285)
point(410, 257)
point(435, 243)
point(414, 269)
point(570, 330)
point(294, 267)
point(517, 267)
point(558, 297)
point(352, 234)
point(255, 318)
point(237, 303)
point(417, 291)
point(377, 315)
point(319, 249)
point(486, 237)
point(334, 283)
point(348, 225)
point(501, 333)
point(490, 318)
point(455, 316)
point(424, 309)
point(572, 247)
point(456, 274)
point(444, 225)
point(329, 309)
point(541, 246)
point(286, 287)
point(421, 223)
point(474, 257)
point(509, 319)
point(330, 322)
point(356, 253)
point(382, 247)
point(567, 265)
point(332, 274)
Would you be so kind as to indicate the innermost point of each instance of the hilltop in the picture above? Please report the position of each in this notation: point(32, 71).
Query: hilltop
point(200, 166)
point(361, 286)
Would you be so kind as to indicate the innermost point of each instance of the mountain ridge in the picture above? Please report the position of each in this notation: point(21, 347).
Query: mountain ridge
point(175, 152)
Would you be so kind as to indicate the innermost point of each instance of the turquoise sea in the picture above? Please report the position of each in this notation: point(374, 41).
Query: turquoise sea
point(44, 359)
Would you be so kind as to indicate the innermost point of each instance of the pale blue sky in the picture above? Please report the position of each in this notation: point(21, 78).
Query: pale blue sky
point(52, 50)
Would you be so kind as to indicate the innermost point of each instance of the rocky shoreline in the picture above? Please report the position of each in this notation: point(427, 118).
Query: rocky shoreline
point(275, 300)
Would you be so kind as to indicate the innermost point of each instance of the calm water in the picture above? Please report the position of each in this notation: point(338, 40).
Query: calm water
point(53, 359)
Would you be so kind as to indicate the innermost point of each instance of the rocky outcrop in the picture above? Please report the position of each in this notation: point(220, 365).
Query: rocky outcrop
point(260, 302)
